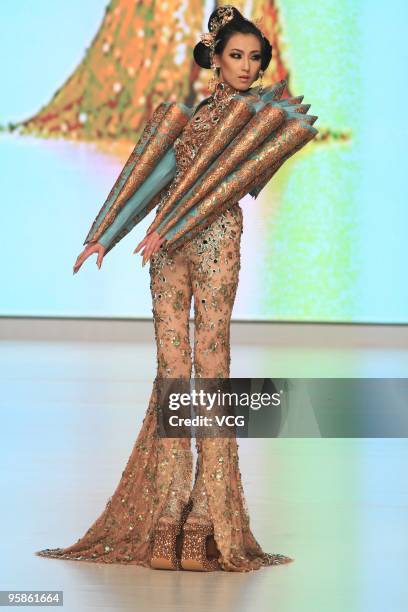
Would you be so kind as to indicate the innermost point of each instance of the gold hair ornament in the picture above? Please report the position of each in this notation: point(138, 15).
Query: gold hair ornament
point(223, 15)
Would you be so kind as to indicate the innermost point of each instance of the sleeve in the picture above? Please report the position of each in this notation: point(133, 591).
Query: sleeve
point(142, 181)
point(250, 175)
point(245, 165)
point(239, 115)
point(137, 207)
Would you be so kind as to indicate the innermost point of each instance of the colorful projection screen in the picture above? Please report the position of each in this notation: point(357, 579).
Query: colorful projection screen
point(324, 241)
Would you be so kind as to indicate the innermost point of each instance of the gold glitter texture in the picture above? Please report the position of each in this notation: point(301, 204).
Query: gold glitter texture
point(232, 121)
point(283, 143)
point(250, 137)
point(160, 133)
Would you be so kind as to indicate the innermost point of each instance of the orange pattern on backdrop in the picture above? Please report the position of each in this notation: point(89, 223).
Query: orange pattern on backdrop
point(141, 55)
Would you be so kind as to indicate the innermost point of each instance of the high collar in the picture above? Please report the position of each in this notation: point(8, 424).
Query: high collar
point(224, 89)
point(224, 93)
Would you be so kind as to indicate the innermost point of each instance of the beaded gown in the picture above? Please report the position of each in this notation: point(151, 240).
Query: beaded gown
point(158, 478)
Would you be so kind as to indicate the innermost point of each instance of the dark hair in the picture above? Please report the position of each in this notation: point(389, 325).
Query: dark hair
point(237, 25)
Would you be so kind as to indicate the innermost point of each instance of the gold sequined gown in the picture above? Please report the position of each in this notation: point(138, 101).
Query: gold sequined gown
point(157, 479)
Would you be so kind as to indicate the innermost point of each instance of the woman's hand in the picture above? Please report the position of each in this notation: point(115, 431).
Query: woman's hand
point(92, 247)
point(151, 243)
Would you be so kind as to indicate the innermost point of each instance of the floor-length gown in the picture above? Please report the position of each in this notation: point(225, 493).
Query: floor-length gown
point(157, 480)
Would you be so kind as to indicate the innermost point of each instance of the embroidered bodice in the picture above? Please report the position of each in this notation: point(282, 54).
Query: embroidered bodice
point(199, 127)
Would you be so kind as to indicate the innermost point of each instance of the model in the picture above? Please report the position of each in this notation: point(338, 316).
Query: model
point(194, 164)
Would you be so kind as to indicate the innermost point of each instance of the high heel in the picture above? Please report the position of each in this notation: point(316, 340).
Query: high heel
point(167, 543)
point(196, 554)
point(164, 554)
point(166, 549)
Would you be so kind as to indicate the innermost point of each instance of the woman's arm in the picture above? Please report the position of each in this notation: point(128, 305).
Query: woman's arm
point(147, 171)
point(215, 191)
point(137, 206)
point(223, 150)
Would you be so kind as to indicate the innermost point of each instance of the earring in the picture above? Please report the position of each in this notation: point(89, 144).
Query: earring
point(260, 75)
point(212, 83)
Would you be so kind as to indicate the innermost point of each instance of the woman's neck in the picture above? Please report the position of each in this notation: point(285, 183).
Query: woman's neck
point(228, 89)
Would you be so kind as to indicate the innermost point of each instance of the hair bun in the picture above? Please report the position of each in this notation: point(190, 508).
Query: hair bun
point(201, 54)
point(224, 20)
point(217, 14)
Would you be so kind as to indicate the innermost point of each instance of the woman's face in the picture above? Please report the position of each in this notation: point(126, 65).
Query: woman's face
point(240, 58)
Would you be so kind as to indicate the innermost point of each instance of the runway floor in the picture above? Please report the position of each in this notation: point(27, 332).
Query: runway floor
point(70, 414)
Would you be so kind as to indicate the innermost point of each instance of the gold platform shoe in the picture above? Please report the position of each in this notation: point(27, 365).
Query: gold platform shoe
point(199, 550)
point(168, 542)
point(167, 538)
